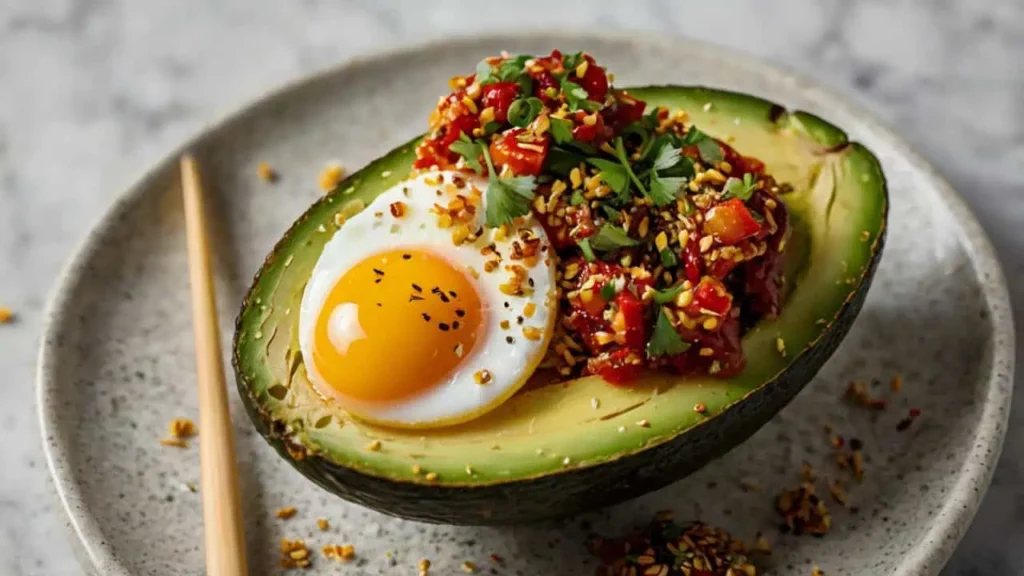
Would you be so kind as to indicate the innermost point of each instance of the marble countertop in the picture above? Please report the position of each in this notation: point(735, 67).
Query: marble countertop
point(92, 92)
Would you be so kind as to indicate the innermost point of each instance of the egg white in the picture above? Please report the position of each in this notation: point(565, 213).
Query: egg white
point(459, 398)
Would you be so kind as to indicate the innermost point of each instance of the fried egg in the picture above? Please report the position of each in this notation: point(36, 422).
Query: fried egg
point(416, 315)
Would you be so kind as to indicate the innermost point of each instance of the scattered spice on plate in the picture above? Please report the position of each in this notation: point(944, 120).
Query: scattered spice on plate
point(266, 173)
point(423, 567)
point(496, 559)
point(896, 384)
point(907, 420)
point(294, 554)
point(858, 393)
point(6, 315)
point(468, 567)
point(331, 176)
point(322, 524)
point(175, 442)
point(665, 548)
point(285, 513)
point(341, 553)
point(181, 428)
point(817, 572)
point(803, 511)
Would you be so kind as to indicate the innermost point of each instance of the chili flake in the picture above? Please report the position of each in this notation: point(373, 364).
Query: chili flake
point(665, 548)
point(482, 377)
point(802, 511)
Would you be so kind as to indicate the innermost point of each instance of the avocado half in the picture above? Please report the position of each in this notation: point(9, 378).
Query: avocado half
point(548, 452)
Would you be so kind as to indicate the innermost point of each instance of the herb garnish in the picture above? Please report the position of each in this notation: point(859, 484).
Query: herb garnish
point(561, 130)
point(507, 198)
point(577, 98)
point(608, 291)
point(523, 111)
point(665, 341)
point(588, 251)
point(610, 238)
point(469, 150)
point(667, 295)
point(742, 189)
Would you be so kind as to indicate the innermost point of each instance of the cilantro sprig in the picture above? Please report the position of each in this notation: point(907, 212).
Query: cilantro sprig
point(507, 198)
point(665, 341)
point(742, 189)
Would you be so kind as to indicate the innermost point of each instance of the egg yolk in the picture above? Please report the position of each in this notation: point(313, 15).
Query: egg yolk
point(396, 324)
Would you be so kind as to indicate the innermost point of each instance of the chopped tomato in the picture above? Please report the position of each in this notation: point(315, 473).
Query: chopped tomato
point(521, 157)
point(594, 81)
point(693, 263)
point(619, 367)
point(589, 133)
point(730, 222)
point(500, 96)
point(542, 81)
point(633, 313)
point(624, 111)
point(710, 296)
point(720, 268)
point(437, 150)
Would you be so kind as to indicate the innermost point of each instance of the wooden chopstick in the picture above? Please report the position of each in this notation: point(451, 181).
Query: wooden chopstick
point(222, 511)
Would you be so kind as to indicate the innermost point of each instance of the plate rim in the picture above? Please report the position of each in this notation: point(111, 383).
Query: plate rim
point(927, 556)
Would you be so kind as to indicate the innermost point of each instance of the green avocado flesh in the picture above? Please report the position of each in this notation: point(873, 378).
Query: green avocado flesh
point(548, 451)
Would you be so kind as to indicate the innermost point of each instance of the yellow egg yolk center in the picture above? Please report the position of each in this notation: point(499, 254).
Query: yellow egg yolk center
point(396, 324)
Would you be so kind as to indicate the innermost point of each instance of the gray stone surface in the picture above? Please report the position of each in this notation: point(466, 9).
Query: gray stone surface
point(92, 93)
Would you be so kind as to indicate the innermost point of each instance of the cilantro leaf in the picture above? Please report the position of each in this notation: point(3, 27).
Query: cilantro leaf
point(611, 213)
point(571, 61)
point(561, 161)
point(610, 238)
point(577, 198)
point(667, 157)
point(665, 341)
point(577, 98)
point(694, 136)
point(588, 251)
point(469, 150)
point(507, 198)
point(742, 189)
point(561, 130)
point(667, 295)
point(614, 174)
point(709, 150)
point(620, 153)
point(663, 190)
point(484, 72)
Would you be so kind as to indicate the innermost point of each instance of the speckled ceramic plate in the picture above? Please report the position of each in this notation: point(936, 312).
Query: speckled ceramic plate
point(117, 362)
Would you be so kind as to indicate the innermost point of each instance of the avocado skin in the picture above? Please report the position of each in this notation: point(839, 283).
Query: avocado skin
point(577, 490)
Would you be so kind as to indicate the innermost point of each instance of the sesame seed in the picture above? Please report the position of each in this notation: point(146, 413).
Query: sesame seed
point(595, 403)
point(431, 476)
point(700, 408)
point(643, 423)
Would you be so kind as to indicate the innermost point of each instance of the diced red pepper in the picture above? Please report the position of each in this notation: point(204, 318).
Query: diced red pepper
point(624, 111)
point(542, 81)
point(589, 133)
point(507, 150)
point(617, 367)
point(693, 263)
point(730, 222)
point(500, 96)
point(710, 296)
point(594, 81)
point(720, 268)
point(632, 310)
